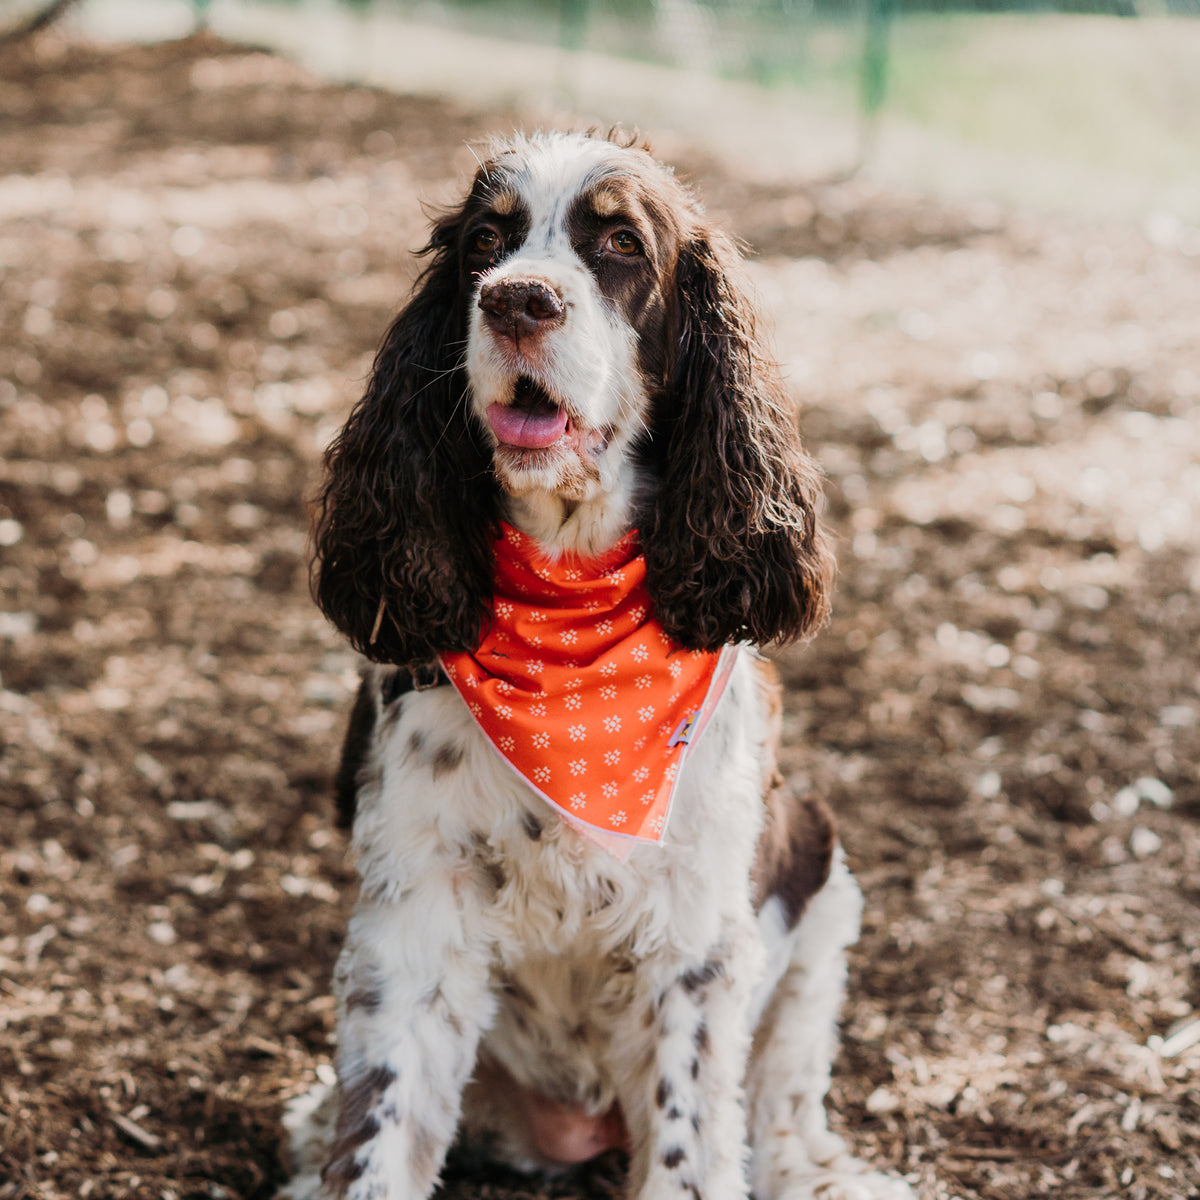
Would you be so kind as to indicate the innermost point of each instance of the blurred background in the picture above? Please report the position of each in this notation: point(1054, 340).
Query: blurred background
point(1078, 105)
point(975, 236)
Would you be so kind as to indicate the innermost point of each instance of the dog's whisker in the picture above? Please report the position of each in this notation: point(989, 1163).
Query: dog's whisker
point(459, 404)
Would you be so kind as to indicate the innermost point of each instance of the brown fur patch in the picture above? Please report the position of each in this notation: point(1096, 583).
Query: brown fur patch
point(446, 758)
point(488, 864)
point(492, 872)
point(365, 1000)
point(794, 853)
point(355, 745)
point(504, 203)
point(606, 201)
point(519, 994)
point(799, 833)
point(701, 977)
point(357, 1123)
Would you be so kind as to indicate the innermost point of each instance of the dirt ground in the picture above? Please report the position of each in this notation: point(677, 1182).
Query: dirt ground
point(200, 247)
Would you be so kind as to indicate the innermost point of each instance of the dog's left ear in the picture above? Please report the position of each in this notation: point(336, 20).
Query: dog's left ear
point(733, 548)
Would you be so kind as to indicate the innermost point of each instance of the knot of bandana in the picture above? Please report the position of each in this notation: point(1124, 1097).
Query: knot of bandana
point(580, 690)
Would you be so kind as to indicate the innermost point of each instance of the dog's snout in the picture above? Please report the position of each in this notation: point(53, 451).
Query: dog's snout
point(519, 308)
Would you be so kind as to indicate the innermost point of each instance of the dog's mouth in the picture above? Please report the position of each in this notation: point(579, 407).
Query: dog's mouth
point(530, 420)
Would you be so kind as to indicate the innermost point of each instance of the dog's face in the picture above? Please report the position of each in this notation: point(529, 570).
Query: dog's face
point(568, 246)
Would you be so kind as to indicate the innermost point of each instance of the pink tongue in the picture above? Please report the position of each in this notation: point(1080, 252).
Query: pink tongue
point(529, 430)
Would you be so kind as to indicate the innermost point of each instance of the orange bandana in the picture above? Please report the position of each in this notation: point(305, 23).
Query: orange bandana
point(581, 691)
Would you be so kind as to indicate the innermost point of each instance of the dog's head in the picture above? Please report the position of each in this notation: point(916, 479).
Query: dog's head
point(582, 341)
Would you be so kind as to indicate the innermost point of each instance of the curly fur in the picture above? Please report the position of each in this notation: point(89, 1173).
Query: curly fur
point(733, 548)
point(409, 507)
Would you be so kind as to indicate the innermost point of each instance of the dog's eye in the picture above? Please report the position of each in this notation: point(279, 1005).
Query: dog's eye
point(624, 242)
point(485, 240)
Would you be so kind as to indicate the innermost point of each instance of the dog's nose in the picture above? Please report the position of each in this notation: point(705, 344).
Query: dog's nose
point(518, 308)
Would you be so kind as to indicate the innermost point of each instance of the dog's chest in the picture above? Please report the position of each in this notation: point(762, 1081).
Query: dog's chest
point(574, 926)
point(560, 897)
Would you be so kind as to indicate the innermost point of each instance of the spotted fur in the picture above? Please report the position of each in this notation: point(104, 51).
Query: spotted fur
point(505, 980)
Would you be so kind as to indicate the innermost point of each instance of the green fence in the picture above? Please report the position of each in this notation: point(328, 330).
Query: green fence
point(840, 54)
point(1074, 83)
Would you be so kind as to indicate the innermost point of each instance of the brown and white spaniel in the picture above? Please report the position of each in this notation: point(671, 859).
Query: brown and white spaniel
point(578, 374)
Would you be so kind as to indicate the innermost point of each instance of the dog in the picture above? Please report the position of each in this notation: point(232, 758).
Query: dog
point(570, 504)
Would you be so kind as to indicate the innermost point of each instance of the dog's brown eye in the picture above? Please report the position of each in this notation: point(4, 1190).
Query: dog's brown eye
point(624, 242)
point(485, 240)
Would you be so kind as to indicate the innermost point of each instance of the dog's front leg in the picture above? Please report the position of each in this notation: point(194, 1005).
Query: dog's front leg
point(685, 1056)
point(413, 999)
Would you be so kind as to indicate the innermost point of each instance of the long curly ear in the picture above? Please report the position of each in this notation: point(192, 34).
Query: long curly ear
point(732, 544)
point(408, 510)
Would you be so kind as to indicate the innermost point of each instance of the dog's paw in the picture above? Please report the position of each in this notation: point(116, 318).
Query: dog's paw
point(857, 1185)
point(308, 1120)
point(819, 1167)
point(852, 1185)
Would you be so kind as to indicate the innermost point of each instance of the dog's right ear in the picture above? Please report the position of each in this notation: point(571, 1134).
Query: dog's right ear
point(402, 560)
